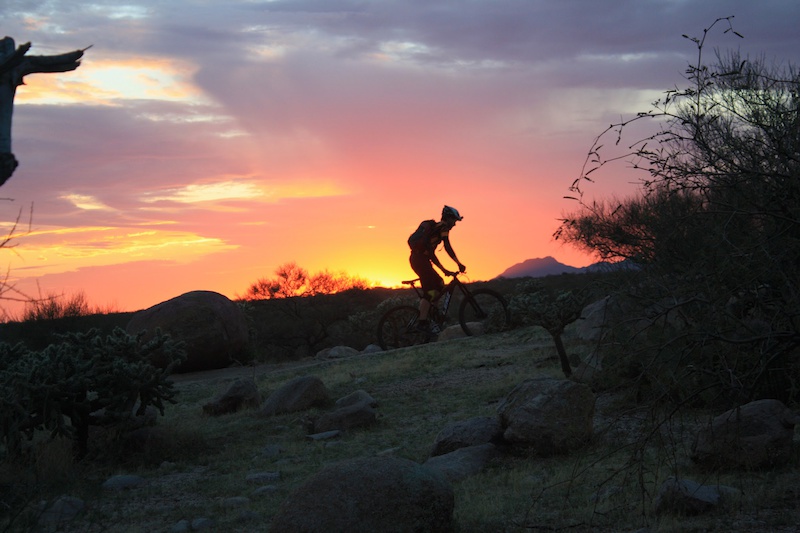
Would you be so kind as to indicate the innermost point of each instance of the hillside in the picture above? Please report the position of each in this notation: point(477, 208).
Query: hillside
point(195, 468)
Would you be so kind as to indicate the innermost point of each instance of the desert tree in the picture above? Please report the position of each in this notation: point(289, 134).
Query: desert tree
point(715, 226)
point(293, 280)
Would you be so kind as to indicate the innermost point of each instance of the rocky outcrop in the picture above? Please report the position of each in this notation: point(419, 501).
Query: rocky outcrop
point(213, 328)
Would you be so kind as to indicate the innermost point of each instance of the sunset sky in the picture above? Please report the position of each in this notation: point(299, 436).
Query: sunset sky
point(202, 144)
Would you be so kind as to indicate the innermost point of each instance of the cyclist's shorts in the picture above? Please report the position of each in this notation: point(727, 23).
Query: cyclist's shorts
point(429, 279)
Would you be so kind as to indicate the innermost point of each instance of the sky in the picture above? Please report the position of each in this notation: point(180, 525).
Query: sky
point(202, 144)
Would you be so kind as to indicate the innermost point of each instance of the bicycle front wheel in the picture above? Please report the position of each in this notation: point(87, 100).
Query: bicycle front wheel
point(484, 311)
point(397, 328)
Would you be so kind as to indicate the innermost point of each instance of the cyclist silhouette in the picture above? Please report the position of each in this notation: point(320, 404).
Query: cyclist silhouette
point(423, 243)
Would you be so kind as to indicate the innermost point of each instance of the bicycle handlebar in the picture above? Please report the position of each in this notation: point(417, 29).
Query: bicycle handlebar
point(412, 282)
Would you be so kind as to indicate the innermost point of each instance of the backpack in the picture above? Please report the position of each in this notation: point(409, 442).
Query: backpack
point(421, 238)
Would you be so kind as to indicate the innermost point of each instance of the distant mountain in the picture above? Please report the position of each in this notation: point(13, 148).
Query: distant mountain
point(548, 266)
point(536, 268)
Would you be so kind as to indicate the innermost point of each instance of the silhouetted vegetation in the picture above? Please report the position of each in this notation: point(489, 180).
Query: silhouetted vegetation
point(8, 290)
point(713, 314)
point(292, 280)
point(54, 306)
point(85, 379)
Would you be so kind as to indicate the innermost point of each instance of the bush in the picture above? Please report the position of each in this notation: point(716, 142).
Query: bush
point(714, 311)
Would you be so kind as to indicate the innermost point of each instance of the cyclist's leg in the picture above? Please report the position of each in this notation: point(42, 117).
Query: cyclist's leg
point(432, 283)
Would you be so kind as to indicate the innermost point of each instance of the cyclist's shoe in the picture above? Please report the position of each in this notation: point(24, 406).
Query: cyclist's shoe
point(428, 328)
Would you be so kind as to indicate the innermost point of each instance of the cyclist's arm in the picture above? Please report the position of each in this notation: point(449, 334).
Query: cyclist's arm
point(435, 261)
point(449, 249)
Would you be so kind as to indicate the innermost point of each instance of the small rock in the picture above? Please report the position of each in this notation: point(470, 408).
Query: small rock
point(372, 348)
point(203, 523)
point(325, 435)
point(235, 501)
point(263, 477)
point(266, 489)
point(122, 481)
point(181, 527)
point(272, 450)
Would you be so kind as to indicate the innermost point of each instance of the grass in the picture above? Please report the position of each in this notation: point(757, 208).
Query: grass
point(193, 463)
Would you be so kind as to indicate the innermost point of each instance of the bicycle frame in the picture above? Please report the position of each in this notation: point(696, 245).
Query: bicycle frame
point(446, 296)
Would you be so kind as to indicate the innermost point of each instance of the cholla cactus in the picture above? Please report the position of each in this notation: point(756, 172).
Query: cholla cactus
point(552, 310)
point(63, 388)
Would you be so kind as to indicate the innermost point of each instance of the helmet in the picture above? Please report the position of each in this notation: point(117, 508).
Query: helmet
point(451, 212)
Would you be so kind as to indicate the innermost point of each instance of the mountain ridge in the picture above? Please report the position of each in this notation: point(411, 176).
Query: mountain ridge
point(548, 266)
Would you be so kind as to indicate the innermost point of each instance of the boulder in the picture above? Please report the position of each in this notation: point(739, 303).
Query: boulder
point(549, 416)
point(337, 352)
point(299, 394)
point(355, 410)
point(757, 434)
point(358, 397)
point(687, 497)
point(593, 322)
point(472, 432)
point(463, 462)
point(372, 348)
point(347, 417)
point(365, 495)
point(457, 332)
point(241, 394)
point(213, 327)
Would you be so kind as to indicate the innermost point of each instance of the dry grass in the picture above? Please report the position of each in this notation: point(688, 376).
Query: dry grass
point(193, 463)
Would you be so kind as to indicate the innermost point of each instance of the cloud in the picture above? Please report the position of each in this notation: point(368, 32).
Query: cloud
point(320, 131)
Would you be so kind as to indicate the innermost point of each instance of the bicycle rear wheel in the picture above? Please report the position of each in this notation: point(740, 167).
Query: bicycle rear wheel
point(484, 311)
point(397, 328)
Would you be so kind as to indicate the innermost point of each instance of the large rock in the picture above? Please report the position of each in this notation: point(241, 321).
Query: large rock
point(463, 462)
point(350, 417)
point(464, 433)
point(757, 434)
point(593, 321)
point(366, 495)
point(549, 416)
point(240, 394)
point(213, 327)
point(299, 394)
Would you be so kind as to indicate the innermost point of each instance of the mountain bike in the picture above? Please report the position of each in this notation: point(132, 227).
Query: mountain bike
point(480, 311)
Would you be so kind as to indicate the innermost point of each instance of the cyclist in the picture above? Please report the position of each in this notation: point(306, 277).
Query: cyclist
point(423, 245)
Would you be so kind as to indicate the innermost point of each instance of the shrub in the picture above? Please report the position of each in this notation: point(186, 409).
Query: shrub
point(716, 229)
